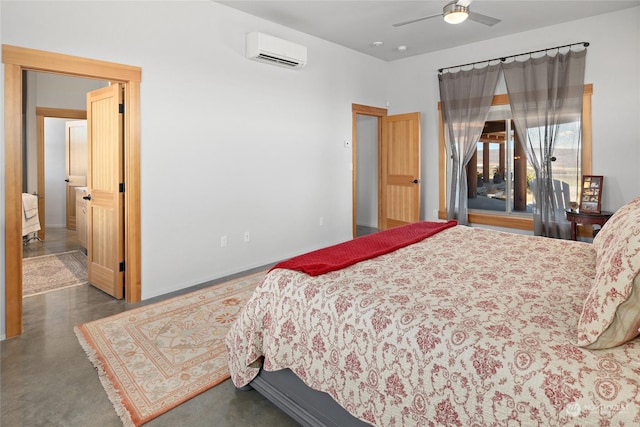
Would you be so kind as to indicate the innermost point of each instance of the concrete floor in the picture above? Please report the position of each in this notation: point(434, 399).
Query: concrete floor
point(47, 380)
point(363, 230)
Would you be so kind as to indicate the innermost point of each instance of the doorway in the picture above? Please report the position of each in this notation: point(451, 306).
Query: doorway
point(367, 120)
point(46, 180)
point(367, 168)
point(46, 165)
point(398, 166)
point(16, 60)
point(35, 175)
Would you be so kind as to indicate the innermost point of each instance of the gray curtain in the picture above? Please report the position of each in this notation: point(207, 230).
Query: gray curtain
point(545, 94)
point(465, 98)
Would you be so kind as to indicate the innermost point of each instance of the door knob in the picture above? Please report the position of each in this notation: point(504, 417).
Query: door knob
point(87, 197)
point(415, 181)
point(66, 180)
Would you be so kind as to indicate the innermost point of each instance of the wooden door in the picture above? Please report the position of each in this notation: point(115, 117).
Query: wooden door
point(400, 170)
point(105, 182)
point(76, 165)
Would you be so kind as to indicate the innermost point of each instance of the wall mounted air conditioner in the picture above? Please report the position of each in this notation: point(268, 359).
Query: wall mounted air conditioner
point(272, 50)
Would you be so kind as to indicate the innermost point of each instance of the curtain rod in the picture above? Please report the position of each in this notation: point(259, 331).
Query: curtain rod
point(504, 58)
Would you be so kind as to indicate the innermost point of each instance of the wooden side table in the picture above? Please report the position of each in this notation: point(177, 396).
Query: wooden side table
point(577, 217)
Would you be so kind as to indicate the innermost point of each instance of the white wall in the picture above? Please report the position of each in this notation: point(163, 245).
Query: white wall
point(613, 66)
point(228, 145)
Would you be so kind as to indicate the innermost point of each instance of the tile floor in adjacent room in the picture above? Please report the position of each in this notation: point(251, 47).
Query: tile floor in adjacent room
point(47, 380)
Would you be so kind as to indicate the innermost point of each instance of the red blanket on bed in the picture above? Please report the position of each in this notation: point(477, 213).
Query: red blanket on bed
point(345, 254)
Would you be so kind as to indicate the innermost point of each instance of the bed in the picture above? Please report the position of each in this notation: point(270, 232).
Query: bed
point(30, 220)
point(467, 326)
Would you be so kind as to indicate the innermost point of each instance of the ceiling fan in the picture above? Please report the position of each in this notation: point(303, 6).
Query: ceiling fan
point(456, 12)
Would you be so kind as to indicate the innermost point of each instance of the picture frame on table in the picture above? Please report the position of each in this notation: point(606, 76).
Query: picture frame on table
point(591, 194)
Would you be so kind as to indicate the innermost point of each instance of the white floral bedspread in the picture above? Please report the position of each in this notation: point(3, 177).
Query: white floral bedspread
point(431, 335)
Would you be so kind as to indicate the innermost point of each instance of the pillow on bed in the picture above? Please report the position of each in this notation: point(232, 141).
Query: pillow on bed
point(611, 312)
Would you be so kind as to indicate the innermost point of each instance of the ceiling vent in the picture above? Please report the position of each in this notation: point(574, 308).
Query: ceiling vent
point(272, 50)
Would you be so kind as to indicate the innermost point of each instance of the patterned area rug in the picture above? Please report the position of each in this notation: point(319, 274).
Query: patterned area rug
point(51, 272)
point(153, 358)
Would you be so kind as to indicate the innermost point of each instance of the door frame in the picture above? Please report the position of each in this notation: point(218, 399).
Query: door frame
point(364, 110)
point(41, 114)
point(16, 60)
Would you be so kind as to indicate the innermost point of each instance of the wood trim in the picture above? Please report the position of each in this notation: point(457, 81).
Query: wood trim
point(133, 237)
point(442, 168)
point(17, 59)
point(504, 220)
point(39, 60)
point(586, 230)
point(587, 132)
point(501, 99)
point(13, 199)
point(354, 173)
point(510, 221)
point(368, 110)
point(62, 113)
point(380, 169)
point(364, 110)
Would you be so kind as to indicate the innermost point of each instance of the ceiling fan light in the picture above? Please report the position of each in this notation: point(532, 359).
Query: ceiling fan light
point(456, 17)
point(454, 13)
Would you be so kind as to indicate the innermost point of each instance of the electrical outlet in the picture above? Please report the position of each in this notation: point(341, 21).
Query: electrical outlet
point(321, 221)
point(247, 236)
point(223, 241)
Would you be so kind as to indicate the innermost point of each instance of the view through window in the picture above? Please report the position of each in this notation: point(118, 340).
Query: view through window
point(514, 210)
point(500, 176)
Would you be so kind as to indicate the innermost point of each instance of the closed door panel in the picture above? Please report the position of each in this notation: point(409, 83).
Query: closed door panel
point(400, 169)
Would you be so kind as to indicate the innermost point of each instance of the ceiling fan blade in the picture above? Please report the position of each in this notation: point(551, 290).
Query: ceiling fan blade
point(483, 19)
point(400, 24)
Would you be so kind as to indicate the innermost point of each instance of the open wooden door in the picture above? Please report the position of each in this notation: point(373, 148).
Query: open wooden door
point(76, 165)
point(400, 170)
point(105, 182)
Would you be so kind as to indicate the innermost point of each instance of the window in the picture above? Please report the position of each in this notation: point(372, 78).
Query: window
point(499, 175)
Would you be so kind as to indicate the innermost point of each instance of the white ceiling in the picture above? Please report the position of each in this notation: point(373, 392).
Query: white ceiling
point(357, 24)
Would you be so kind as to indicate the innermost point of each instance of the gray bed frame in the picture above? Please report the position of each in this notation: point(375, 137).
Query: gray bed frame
point(307, 406)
